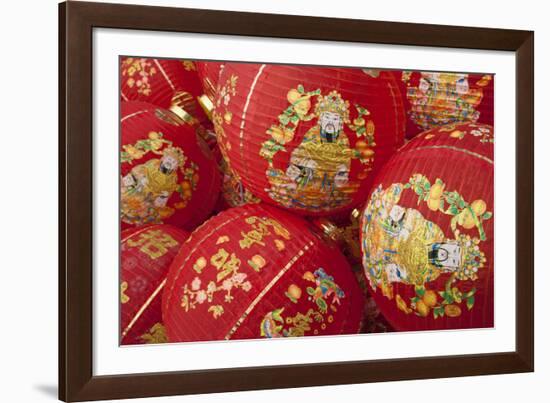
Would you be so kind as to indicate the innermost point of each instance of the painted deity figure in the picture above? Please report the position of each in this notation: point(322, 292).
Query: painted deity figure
point(401, 246)
point(146, 189)
point(443, 98)
point(317, 176)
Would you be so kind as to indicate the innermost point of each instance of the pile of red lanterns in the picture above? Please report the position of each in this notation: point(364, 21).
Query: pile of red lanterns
point(266, 201)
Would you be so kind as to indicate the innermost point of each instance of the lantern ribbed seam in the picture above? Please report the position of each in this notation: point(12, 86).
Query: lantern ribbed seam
point(247, 103)
point(131, 115)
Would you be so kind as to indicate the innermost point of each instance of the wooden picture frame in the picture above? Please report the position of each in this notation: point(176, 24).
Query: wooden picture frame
point(76, 23)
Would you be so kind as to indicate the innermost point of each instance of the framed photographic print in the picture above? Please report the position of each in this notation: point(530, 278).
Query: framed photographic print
point(253, 201)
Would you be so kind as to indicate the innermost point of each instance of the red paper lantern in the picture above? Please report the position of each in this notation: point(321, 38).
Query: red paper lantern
point(307, 138)
point(256, 271)
point(168, 173)
point(427, 231)
point(146, 254)
point(436, 99)
point(169, 83)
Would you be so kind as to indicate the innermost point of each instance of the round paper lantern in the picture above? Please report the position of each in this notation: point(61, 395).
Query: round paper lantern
point(256, 271)
point(169, 83)
point(436, 99)
point(427, 231)
point(146, 254)
point(168, 174)
point(307, 138)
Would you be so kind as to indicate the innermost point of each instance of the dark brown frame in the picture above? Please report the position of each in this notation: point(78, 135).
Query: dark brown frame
point(76, 22)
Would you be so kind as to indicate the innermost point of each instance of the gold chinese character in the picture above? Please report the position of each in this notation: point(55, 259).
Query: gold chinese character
point(260, 229)
point(153, 243)
point(225, 263)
